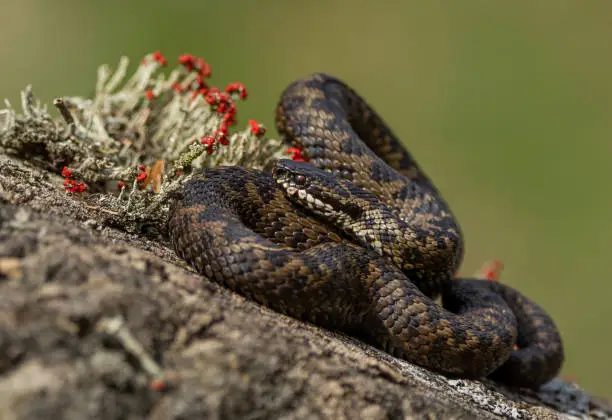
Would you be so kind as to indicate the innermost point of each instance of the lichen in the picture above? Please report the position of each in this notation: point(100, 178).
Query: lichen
point(130, 147)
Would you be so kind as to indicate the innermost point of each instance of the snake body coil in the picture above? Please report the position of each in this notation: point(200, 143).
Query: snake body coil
point(359, 240)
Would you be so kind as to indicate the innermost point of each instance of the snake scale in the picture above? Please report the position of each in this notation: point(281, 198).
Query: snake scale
point(358, 239)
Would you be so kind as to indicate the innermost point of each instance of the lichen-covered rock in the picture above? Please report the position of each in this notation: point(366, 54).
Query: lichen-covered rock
point(100, 323)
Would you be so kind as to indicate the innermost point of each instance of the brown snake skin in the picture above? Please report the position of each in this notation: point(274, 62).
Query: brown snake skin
point(359, 240)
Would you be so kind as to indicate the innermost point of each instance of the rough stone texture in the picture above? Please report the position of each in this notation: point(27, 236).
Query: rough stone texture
point(66, 278)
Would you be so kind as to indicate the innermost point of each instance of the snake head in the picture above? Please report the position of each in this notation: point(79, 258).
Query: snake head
point(315, 189)
point(340, 203)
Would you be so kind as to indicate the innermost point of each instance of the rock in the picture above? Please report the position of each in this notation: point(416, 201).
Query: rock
point(96, 322)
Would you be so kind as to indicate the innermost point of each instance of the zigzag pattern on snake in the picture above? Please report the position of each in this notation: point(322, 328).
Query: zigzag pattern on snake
point(359, 240)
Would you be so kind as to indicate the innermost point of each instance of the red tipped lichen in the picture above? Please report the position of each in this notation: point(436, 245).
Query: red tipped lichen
point(195, 63)
point(236, 89)
point(157, 56)
point(491, 270)
point(222, 135)
point(296, 154)
point(229, 118)
point(187, 61)
point(142, 175)
point(72, 185)
point(158, 385)
point(209, 142)
point(257, 128)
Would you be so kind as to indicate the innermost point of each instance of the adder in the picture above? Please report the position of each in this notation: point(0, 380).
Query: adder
point(358, 239)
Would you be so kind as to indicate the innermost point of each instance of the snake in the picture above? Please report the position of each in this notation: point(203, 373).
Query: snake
point(355, 237)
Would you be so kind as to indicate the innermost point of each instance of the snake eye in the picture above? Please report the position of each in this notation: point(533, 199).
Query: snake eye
point(300, 179)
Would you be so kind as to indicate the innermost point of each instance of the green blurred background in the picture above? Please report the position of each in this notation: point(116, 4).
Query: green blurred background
point(506, 105)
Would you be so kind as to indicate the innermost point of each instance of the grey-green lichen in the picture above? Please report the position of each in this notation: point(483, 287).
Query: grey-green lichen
point(125, 151)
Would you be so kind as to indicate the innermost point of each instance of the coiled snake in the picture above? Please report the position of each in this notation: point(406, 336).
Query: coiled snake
point(358, 239)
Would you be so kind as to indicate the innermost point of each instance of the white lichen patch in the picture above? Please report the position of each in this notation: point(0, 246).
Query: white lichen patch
point(139, 138)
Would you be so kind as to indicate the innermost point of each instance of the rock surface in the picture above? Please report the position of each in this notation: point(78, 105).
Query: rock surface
point(99, 323)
